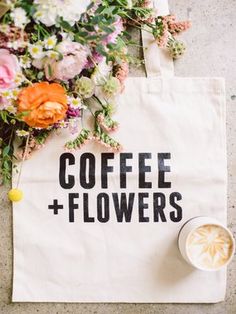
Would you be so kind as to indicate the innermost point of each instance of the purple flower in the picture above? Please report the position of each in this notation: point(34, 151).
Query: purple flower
point(95, 58)
point(73, 113)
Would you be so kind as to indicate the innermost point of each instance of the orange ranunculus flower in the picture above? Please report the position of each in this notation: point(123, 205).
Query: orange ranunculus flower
point(46, 104)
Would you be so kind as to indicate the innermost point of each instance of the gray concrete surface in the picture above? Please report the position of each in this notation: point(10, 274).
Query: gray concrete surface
point(211, 52)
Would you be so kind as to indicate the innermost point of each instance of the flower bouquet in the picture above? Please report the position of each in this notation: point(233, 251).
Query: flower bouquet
point(60, 59)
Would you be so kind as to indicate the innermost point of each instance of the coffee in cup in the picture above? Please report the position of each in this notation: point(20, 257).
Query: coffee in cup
point(206, 244)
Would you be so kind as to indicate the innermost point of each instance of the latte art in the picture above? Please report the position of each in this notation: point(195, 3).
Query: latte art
point(209, 247)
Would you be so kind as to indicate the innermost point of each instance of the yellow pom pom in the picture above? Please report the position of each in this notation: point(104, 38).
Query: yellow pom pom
point(15, 195)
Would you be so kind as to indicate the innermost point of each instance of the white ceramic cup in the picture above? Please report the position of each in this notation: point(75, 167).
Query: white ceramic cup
point(188, 229)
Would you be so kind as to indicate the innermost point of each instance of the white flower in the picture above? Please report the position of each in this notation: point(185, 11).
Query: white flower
point(50, 42)
point(11, 109)
point(19, 79)
point(22, 133)
point(19, 17)
point(101, 72)
point(16, 44)
point(63, 124)
point(15, 93)
point(100, 76)
point(48, 11)
point(52, 54)
point(46, 14)
point(6, 94)
point(75, 102)
point(36, 51)
point(25, 62)
point(7, 99)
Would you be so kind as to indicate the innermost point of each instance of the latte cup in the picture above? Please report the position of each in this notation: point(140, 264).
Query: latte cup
point(206, 244)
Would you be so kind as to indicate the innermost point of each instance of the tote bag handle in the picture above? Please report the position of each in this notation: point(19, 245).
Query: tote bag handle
point(158, 62)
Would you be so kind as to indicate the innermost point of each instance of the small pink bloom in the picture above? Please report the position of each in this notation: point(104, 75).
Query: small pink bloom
point(178, 27)
point(9, 67)
point(121, 74)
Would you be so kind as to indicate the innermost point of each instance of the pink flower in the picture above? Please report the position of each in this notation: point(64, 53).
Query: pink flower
point(178, 27)
point(111, 39)
point(74, 60)
point(68, 47)
point(121, 73)
point(9, 67)
point(3, 103)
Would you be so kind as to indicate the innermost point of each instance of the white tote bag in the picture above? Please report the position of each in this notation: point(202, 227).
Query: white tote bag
point(113, 237)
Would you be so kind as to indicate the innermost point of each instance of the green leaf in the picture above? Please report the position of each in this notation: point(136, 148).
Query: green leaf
point(100, 49)
point(6, 151)
point(49, 70)
point(66, 26)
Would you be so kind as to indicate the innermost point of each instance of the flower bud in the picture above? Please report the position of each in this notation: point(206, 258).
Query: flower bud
point(111, 87)
point(85, 87)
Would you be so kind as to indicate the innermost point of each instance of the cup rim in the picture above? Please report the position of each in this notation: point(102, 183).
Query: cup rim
point(218, 224)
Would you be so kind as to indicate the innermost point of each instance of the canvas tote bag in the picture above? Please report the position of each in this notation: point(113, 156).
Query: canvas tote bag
point(113, 237)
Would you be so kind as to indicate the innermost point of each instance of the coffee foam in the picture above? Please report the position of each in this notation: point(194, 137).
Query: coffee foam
point(209, 246)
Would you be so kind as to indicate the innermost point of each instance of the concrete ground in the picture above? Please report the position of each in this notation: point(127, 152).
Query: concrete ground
point(211, 52)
